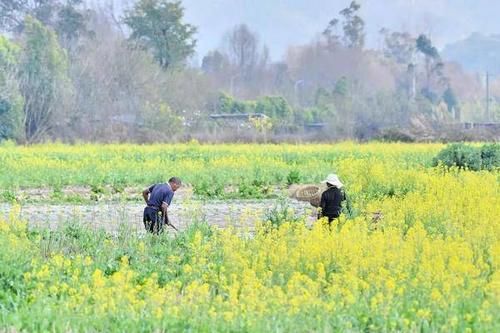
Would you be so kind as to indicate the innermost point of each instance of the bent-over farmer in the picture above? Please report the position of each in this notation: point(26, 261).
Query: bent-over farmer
point(331, 199)
point(158, 198)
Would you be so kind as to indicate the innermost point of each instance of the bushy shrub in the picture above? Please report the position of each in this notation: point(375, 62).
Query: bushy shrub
point(459, 155)
point(396, 135)
point(490, 156)
point(486, 157)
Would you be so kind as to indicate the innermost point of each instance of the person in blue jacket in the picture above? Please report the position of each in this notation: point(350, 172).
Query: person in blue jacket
point(158, 198)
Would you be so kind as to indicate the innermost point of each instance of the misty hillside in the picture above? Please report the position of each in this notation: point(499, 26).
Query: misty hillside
point(477, 53)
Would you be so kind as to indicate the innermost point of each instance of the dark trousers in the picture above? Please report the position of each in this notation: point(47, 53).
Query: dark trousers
point(153, 220)
point(331, 218)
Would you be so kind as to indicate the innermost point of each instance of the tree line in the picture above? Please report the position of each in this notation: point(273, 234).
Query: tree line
point(73, 73)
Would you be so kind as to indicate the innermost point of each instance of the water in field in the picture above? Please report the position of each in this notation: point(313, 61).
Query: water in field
point(109, 216)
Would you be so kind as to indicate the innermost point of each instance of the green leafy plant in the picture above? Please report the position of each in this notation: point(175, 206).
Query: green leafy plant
point(464, 156)
point(281, 213)
point(490, 156)
point(293, 177)
point(459, 155)
point(9, 196)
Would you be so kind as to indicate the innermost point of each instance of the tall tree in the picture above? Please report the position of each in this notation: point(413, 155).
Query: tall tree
point(243, 64)
point(65, 16)
point(433, 64)
point(399, 46)
point(243, 49)
point(331, 33)
point(13, 12)
point(214, 62)
point(452, 103)
point(157, 25)
point(353, 26)
point(424, 45)
point(42, 76)
point(70, 22)
point(11, 101)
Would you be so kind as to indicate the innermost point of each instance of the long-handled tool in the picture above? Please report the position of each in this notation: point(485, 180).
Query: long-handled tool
point(167, 222)
point(173, 226)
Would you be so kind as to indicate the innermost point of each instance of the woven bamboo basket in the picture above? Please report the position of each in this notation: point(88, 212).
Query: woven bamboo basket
point(307, 192)
point(292, 191)
point(316, 201)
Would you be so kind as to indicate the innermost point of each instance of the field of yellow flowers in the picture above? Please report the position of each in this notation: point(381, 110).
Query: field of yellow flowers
point(250, 171)
point(430, 264)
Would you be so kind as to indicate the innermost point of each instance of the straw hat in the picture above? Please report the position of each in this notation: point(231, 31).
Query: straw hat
point(334, 180)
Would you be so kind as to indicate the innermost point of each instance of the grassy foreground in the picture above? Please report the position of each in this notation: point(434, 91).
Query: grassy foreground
point(431, 263)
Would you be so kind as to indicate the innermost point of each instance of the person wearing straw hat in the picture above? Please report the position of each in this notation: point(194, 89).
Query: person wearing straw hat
point(331, 199)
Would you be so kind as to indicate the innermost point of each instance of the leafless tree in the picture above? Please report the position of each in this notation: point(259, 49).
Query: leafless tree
point(243, 49)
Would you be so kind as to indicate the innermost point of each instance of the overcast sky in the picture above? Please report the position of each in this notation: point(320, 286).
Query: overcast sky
point(281, 23)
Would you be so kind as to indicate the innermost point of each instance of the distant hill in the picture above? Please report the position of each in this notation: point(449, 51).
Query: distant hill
point(477, 53)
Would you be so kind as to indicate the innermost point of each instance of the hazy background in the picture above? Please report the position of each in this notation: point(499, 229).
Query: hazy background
point(281, 23)
point(241, 70)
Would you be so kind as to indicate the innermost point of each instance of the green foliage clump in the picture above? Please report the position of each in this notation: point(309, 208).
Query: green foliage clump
point(209, 189)
point(227, 104)
point(275, 107)
point(490, 156)
point(293, 177)
point(474, 158)
point(158, 26)
point(459, 155)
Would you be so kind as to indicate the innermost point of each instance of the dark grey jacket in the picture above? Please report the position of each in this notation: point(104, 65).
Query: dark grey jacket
point(331, 202)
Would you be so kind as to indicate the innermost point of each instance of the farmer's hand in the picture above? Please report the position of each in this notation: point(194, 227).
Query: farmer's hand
point(145, 195)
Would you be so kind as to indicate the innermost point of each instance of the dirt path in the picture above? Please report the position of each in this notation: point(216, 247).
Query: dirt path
point(241, 213)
